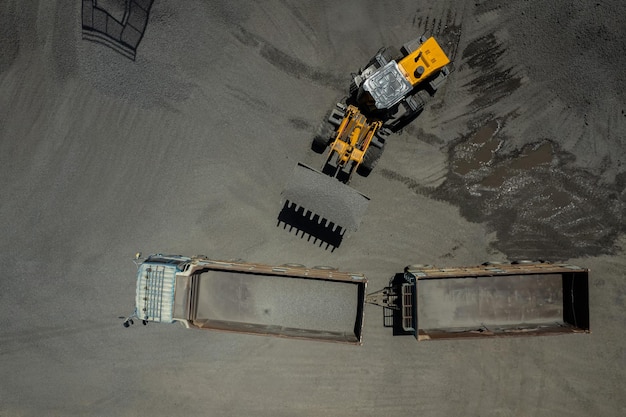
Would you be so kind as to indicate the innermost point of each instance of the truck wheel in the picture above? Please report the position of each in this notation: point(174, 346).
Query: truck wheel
point(524, 262)
point(325, 268)
point(292, 265)
point(417, 266)
point(372, 155)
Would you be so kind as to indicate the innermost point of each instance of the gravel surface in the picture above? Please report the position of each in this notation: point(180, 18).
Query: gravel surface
point(187, 148)
point(278, 301)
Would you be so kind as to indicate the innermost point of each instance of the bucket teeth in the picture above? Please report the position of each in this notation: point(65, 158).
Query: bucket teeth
point(317, 230)
point(321, 206)
point(320, 195)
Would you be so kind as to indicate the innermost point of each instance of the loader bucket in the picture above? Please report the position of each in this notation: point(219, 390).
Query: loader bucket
point(321, 206)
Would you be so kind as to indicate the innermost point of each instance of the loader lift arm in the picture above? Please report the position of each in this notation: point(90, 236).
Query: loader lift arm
point(353, 139)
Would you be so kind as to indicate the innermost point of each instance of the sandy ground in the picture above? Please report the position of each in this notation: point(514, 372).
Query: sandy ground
point(186, 150)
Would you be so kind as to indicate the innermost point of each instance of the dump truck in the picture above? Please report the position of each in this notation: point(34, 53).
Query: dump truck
point(289, 300)
point(493, 299)
point(384, 96)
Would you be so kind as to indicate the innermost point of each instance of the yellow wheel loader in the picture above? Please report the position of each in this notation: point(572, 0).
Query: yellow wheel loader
point(385, 95)
point(354, 138)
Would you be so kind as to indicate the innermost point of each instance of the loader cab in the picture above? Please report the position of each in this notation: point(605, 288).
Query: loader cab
point(386, 88)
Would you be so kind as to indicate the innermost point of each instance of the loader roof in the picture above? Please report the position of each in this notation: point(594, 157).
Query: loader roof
point(387, 86)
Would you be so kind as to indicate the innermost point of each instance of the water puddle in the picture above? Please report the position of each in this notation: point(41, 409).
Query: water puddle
point(530, 157)
point(479, 150)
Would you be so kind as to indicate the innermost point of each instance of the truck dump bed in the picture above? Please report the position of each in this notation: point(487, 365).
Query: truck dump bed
point(491, 300)
point(286, 301)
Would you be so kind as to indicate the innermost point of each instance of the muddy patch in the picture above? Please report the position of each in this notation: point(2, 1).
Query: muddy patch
point(531, 156)
point(539, 205)
point(478, 151)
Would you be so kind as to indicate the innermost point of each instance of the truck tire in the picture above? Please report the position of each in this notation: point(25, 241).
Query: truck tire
point(372, 155)
point(325, 268)
point(292, 265)
point(524, 262)
point(417, 266)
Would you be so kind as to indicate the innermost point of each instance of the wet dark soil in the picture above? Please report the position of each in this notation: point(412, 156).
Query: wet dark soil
point(539, 205)
point(540, 156)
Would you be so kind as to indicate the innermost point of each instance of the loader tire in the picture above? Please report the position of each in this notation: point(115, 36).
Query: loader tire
point(391, 53)
point(354, 90)
point(369, 160)
point(322, 137)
